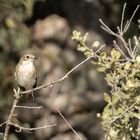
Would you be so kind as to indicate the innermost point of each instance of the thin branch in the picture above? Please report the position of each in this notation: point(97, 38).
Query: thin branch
point(130, 45)
point(30, 129)
point(122, 19)
point(127, 25)
point(125, 45)
point(136, 46)
point(106, 28)
point(64, 77)
point(6, 132)
point(9, 120)
point(3, 123)
point(119, 36)
point(122, 114)
point(28, 107)
point(118, 48)
point(119, 30)
point(81, 63)
point(69, 125)
point(58, 81)
point(40, 87)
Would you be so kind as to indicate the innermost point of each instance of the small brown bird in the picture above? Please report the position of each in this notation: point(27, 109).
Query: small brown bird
point(25, 73)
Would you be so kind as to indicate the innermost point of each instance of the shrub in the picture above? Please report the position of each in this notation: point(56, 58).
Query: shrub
point(121, 115)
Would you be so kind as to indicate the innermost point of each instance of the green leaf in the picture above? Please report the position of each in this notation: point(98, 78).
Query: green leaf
point(81, 48)
point(127, 65)
point(137, 115)
point(10, 23)
point(115, 54)
point(138, 58)
point(85, 37)
point(130, 84)
point(95, 44)
point(76, 35)
point(115, 99)
point(109, 77)
point(113, 134)
point(103, 55)
point(123, 95)
point(107, 98)
point(88, 53)
point(101, 69)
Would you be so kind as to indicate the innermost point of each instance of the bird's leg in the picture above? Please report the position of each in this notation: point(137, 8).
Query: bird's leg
point(22, 89)
point(33, 94)
point(27, 96)
point(33, 88)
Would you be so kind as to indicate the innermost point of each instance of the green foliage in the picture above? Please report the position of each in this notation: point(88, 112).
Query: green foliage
point(20, 8)
point(13, 31)
point(82, 46)
point(121, 115)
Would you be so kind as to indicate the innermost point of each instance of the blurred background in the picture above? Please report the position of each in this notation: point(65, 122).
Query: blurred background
point(44, 27)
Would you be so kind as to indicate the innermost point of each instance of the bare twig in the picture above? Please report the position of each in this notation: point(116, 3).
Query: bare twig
point(3, 123)
point(106, 28)
point(122, 114)
point(28, 107)
point(122, 19)
point(121, 30)
point(20, 128)
point(119, 49)
point(65, 76)
point(5, 137)
point(9, 121)
point(43, 86)
point(70, 125)
point(137, 41)
point(125, 45)
point(127, 25)
point(58, 81)
point(118, 35)
point(130, 46)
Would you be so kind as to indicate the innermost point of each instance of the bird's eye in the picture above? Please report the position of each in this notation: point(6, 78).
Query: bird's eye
point(27, 56)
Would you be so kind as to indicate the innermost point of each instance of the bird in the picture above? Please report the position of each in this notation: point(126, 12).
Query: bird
point(25, 73)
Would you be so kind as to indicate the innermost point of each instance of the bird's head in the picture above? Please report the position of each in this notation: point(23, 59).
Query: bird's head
point(27, 58)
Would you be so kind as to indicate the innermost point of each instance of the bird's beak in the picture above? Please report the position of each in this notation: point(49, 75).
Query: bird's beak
point(35, 58)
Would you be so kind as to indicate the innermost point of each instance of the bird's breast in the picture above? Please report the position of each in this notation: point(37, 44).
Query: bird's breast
point(26, 75)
